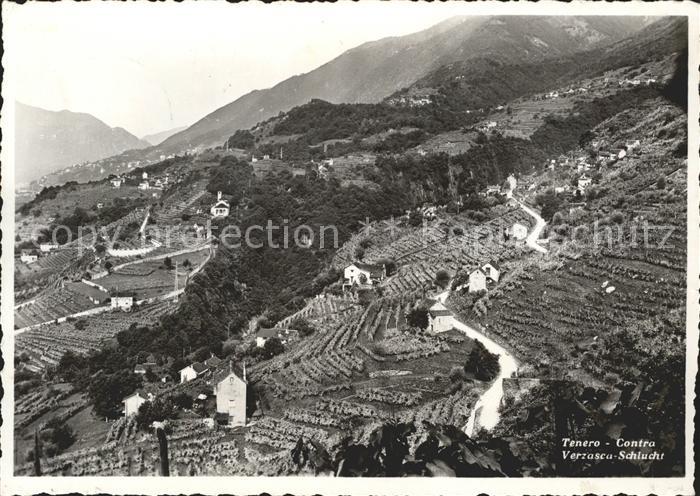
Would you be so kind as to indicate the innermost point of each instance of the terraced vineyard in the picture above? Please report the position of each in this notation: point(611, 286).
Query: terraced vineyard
point(478, 245)
point(44, 346)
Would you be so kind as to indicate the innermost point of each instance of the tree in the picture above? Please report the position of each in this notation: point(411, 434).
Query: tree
point(442, 278)
point(273, 347)
point(108, 390)
point(481, 364)
point(157, 410)
point(168, 263)
point(549, 203)
point(418, 317)
point(661, 183)
point(108, 266)
point(303, 326)
point(183, 400)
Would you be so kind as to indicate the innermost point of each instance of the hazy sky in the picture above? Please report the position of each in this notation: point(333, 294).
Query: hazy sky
point(150, 67)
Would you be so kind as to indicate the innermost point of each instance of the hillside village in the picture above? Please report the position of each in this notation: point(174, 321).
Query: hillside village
point(457, 273)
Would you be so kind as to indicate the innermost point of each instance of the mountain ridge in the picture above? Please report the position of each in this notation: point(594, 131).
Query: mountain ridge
point(47, 141)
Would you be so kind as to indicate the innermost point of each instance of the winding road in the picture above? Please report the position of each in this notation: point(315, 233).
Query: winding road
point(485, 413)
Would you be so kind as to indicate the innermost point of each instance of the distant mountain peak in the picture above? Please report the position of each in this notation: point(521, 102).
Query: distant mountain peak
point(76, 137)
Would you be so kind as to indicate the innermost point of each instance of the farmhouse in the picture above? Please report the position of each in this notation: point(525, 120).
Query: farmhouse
point(518, 231)
point(144, 185)
point(47, 247)
point(359, 274)
point(632, 144)
point(477, 281)
point(134, 401)
point(28, 256)
point(142, 368)
point(221, 208)
point(440, 321)
point(263, 335)
point(191, 372)
point(230, 390)
point(491, 270)
point(583, 182)
point(122, 302)
point(116, 182)
point(493, 190)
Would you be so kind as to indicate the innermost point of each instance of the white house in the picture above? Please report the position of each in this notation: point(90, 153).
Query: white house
point(622, 154)
point(100, 205)
point(121, 302)
point(28, 257)
point(47, 247)
point(134, 401)
point(230, 391)
point(632, 144)
point(583, 182)
point(263, 335)
point(477, 281)
point(221, 208)
point(360, 274)
point(144, 176)
point(144, 185)
point(518, 231)
point(116, 182)
point(440, 321)
point(191, 372)
point(491, 270)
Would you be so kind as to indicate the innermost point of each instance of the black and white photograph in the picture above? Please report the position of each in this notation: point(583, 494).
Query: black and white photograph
point(327, 243)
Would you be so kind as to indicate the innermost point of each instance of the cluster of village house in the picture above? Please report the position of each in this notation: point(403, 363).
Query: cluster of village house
point(229, 385)
point(584, 89)
point(604, 156)
point(360, 274)
point(156, 183)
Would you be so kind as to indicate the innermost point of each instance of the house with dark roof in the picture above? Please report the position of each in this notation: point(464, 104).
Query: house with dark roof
point(212, 362)
point(440, 320)
point(361, 274)
point(230, 387)
point(492, 271)
point(191, 372)
point(264, 334)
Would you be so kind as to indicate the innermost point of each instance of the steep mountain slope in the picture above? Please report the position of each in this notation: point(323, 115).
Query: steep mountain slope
point(485, 81)
point(377, 69)
point(46, 141)
point(157, 138)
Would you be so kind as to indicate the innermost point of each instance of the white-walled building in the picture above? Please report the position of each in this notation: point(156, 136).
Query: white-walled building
point(221, 208)
point(121, 302)
point(191, 372)
point(518, 231)
point(477, 281)
point(440, 321)
point(134, 401)
point(144, 185)
point(47, 247)
point(359, 274)
point(230, 390)
point(116, 182)
point(491, 270)
point(28, 257)
point(583, 182)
